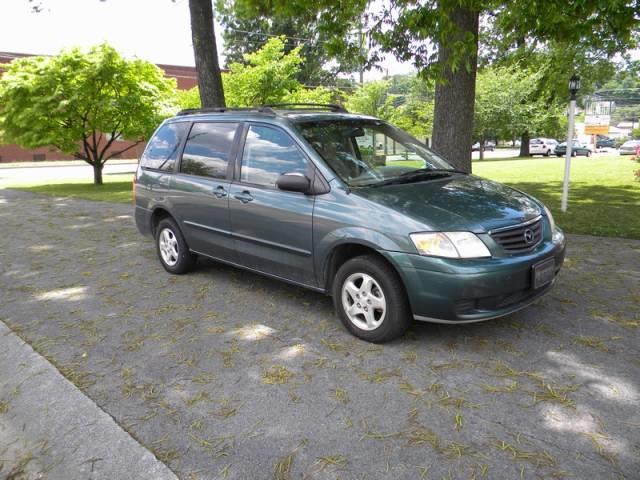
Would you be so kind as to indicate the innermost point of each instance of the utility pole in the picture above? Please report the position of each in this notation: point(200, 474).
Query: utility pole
point(361, 48)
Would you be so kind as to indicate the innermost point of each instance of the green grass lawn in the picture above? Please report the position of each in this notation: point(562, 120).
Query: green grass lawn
point(604, 198)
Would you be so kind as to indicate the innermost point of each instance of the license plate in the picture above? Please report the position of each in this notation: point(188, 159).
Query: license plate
point(543, 272)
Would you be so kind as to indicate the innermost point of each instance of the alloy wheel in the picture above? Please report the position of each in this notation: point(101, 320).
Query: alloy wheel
point(363, 301)
point(169, 249)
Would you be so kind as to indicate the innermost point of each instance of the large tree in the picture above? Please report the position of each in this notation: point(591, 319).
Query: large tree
point(205, 52)
point(455, 89)
point(83, 102)
point(441, 39)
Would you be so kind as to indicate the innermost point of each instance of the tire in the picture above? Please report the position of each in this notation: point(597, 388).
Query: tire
point(375, 281)
point(547, 153)
point(588, 154)
point(172, 249)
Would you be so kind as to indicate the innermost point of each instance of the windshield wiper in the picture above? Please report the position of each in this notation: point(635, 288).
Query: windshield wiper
point(417, 175)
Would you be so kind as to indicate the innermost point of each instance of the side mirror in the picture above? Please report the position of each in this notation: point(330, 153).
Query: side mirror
point(294, 182)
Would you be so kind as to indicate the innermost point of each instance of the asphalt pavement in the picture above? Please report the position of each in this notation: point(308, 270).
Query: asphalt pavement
point(225, 374)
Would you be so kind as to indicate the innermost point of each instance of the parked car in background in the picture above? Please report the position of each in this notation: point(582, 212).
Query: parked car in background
point(488, 147)
point(542, 146)
point(577, 149)
point(604, 142)
point(299, 194)
point(629, 147)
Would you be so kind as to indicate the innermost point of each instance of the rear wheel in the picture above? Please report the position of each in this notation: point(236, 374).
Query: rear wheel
point(172, 248)
point(588, 153)
point(547, 153)
point(370, 299)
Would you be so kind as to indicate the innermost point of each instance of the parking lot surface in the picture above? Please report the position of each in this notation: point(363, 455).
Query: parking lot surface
point(225, 374)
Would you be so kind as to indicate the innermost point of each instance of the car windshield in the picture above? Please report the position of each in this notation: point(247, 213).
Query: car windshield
point(368, 152)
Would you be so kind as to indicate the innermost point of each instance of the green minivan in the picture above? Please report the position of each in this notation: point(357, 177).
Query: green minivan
point(346, 205)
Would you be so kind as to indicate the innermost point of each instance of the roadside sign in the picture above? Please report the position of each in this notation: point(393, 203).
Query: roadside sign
point(596, 129)
point(597, 118)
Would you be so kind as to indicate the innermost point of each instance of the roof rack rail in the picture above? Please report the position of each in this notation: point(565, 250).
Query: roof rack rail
point(313, 106)
point(194, 111)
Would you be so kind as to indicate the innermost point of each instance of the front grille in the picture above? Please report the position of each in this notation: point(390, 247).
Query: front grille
point(519, 238)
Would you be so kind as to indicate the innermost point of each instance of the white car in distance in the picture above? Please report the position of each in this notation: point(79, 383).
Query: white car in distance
point(542, 146)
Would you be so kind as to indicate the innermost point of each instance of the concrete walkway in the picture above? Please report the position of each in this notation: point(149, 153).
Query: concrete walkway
point(50, 429)
point(17, 174)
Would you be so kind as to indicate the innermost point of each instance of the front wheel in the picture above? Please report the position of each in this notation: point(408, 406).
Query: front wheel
point(588, 153)
point(172, 248)
point(370, 299)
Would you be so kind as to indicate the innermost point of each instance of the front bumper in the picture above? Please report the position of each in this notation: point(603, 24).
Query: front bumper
point(463, 291)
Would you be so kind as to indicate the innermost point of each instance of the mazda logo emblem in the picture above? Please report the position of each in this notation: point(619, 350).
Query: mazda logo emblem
point(528, 235)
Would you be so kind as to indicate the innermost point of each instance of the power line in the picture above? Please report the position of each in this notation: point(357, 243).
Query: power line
point(270, 34)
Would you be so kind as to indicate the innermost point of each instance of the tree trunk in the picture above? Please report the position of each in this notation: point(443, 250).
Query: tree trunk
point(481, 150)
point(205, 52)
point(455, 95)
point(524, 145)
point(97, 173)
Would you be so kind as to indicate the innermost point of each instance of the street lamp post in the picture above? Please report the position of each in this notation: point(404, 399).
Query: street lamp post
point(574, 86)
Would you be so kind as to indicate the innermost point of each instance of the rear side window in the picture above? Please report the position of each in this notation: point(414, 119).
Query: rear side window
point(162, 151)
point(269, 152)
point(208, 148)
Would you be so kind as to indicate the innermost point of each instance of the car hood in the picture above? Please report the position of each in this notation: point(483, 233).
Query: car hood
point(460, 202)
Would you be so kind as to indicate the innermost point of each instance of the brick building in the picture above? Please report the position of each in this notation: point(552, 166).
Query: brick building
point(186, 78)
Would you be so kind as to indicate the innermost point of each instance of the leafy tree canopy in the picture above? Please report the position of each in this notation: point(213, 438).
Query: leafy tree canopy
point(81, 102)
point(404, 100)
point(266, 76)
point(372, 98)
point(244, 33)
point(506, 104)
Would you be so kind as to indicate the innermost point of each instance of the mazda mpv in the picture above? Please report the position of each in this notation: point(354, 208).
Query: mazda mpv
point(347, 205)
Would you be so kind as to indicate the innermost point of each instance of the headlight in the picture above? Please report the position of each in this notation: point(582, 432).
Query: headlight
point(450, 244)
point(556, 234)
point(550, 217)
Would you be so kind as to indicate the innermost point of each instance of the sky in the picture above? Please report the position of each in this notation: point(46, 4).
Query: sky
point(154, 30)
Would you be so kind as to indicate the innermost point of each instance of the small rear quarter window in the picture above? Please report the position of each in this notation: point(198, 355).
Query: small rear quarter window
point(162, 151)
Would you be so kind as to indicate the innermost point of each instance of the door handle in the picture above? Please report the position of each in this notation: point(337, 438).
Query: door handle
point(244, 197)
point(220, 192)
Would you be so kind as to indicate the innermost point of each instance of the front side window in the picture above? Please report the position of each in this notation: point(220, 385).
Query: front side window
point(162, 151)
point(366, 152)
point(268, 153)
point(208, 148)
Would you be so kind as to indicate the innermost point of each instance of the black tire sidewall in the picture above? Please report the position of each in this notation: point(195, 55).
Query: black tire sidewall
point(397, 316)
point(186, 259)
